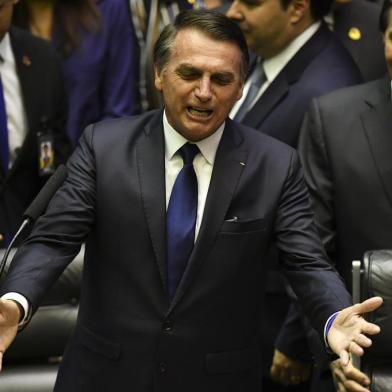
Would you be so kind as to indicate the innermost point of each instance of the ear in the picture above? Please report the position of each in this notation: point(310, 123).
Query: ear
point(240, 91)
point(157, 78)
point(298, 10)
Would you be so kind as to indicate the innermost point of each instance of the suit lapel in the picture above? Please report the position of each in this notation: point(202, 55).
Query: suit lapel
point(229, 164)
point(151, 168)
point(289, 75)
point(377, 125)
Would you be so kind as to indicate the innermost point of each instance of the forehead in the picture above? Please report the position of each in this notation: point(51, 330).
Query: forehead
point(198, 49)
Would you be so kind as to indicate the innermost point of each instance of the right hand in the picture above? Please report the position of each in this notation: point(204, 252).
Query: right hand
point(288, 371)
point(10, 314)
point(347, 378)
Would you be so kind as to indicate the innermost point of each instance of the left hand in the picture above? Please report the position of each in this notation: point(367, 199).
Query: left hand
point(348, 378)
point(347, 333)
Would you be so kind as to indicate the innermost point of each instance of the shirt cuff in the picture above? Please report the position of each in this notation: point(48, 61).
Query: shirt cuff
point(328, 326)
point(22, 301)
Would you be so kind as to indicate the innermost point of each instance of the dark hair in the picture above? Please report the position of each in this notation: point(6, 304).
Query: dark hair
point(318, 8)
point(214, 24)
point(384, 16)
point(70, 19)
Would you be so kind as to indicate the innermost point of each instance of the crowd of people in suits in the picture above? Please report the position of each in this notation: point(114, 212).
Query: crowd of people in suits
point(66, 64)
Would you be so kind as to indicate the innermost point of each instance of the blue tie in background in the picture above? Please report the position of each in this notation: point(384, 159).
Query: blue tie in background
point(4, 146)
point(258, 78)
point(181, 219)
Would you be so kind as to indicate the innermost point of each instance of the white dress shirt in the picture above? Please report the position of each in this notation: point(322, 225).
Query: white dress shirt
point(274, 65)
point(16, 116)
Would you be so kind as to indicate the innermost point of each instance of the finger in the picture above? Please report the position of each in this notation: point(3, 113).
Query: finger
point(1, 360)
point(351, 373)
point(353, 386)
point(367, 306)
point(339, 374)
point(362, 340)
point(344, 357)
point(370, 329)
point(356, 349)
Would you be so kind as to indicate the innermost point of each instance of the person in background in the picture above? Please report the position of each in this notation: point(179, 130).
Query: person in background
point(96, 43)
point(299, 58)
point(32, 119)
point(345, 147)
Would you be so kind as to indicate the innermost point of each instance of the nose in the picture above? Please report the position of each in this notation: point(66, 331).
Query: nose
point(234, 12)
point(203, 90)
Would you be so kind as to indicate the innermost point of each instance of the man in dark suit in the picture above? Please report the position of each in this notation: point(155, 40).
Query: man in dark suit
point(155, 313)
point(345, 149)
point(33, 109)
point(302, 59)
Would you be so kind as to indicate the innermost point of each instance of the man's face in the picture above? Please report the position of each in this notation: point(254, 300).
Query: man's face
point(265, 24)
point(200, 83)
point(6, 7)
point(388, 44)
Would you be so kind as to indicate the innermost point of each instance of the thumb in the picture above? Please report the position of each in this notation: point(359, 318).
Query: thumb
point(367, 306)
point(344, 357)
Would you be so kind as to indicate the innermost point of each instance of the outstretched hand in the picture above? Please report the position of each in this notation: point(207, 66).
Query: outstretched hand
point(348, 331)
point(9, 318)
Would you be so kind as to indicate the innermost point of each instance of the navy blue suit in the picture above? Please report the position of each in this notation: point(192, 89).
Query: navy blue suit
point(320, 66)
point(129, 336)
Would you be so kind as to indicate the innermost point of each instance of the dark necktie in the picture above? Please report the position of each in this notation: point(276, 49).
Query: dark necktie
point(4, 146)
point(181, 219)
point(257, 80)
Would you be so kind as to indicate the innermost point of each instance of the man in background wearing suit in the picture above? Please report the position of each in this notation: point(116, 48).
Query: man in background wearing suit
point(178, 208)
point(345, 147)
point(300, 59)
point(32, 114)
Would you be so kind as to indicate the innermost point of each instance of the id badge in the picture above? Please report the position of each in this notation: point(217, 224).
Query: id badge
point(46, 154)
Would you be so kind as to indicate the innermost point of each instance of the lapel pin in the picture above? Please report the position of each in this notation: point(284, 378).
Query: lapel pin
point(355, 34)
point(242, 163)
point(26, 60)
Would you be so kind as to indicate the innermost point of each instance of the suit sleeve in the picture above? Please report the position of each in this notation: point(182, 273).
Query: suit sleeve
point(315, 162)
point(59, 233)
point(320, 290)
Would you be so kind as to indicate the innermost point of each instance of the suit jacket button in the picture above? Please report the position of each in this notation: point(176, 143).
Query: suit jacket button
point(167, 326)
point(1, 237)
point(162, 367)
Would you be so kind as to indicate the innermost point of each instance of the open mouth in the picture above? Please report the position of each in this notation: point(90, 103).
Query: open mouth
point(197, 112)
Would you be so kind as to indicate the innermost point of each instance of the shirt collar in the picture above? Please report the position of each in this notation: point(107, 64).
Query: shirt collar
point(174, 141)
point(274, 65)
point(5, 48)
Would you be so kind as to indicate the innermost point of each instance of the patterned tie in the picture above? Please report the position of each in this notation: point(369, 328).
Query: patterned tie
point(181, 219)
point(257, 80)
point(4, 146)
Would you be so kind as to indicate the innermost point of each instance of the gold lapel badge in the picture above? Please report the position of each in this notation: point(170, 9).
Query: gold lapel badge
point(355, 34)
point(26, 60)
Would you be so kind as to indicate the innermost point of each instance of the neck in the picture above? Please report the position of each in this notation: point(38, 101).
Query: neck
point(41, 18)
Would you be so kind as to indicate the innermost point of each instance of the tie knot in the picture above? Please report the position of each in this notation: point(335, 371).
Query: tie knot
point(188, 152)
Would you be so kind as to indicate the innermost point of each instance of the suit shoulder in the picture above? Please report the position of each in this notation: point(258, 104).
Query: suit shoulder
point(349, 96)
point(260, 141)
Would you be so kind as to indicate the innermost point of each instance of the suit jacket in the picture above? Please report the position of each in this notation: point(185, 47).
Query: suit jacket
point(43, 98)
point(320, 66)
point(367, 48)
point(128, 335)
point(344, 147)
point(350, 187)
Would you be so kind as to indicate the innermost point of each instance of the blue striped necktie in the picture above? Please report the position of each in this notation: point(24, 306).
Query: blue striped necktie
point(181, 219)
point(257, 78)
